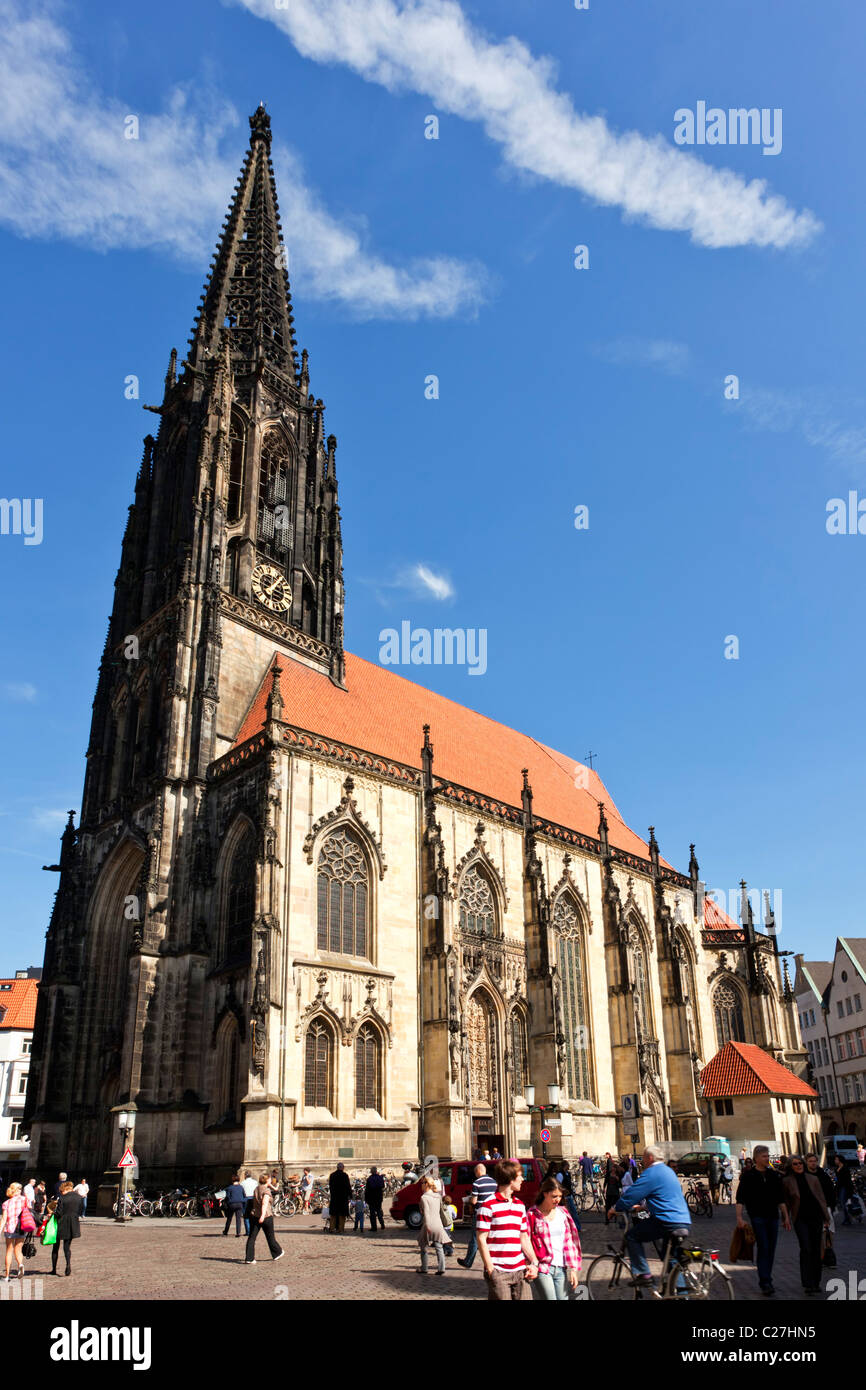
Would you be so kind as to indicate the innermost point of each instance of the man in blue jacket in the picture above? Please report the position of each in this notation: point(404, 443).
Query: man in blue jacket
point(235, 1202)
point(659, 1187)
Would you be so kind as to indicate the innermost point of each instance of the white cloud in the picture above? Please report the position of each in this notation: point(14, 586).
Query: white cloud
point(429, 46)
point(47, 819)
point(419, 579)
point(668, 356)
point(19, 691)
point(67, 170)
point(428, 582)
point(810, 413)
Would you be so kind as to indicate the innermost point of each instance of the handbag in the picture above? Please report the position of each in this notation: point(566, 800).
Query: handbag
point(50, 1236)
point(828, 1258)
point(29, 1249)
point(28, 1221)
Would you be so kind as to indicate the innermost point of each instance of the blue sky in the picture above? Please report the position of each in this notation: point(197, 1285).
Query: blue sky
point(558, 387)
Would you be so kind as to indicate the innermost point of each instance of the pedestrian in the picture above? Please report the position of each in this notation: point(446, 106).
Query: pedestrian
point(810, 1217)
point(607, 1168)
point(495, 1155)
point(483, 1187)
point(374, 1193)
point(13, 1223)
point(585, 1170)
point(82, 1188)
point(235, 1205)
point(727, 1177)
point(61, 1179)
point(249, 1185)
point(359, 1210)
point(612, 1192)
point(761, 1194)
point(660, 1189)
point(566, 1182)
point(67, 1213)
point(340, 1189)
point(262, 1219)
point(30, 1191)
point(486, 1156)
point(844, 1188)
point(828, 1187)
point(556, 1242)
point(307, 1182)
point(39, 1200)
point(509, 1260)
point(432, 1231)
point(715, 1177)
point(743, 1157)
point(861, 1154)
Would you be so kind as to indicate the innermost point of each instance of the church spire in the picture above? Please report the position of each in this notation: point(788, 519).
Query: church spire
point(247, 290)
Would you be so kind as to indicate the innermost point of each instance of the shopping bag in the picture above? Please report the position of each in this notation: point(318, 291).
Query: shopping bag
point(829, 1254)
point(50, 1236)
point(29, 1249)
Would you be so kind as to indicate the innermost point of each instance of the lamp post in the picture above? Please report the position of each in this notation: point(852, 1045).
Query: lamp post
point(126, 1125)
point(542, 1110)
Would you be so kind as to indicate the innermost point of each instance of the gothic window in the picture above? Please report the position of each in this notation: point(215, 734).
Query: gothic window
point(237, 451)
point(228, 1072)
point(641, 987)
point(318, 1068)
point(477, 906)
point(573, 982)
point(240, 900)
point(275, 496)
point(233, 567)
point(343, 895)
point(728, 1012)
point(519, 1073)
point(481, 1037)
point(367, 1063)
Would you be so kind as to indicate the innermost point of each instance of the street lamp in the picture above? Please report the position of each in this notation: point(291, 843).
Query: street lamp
point(552, 1104)
point(126, 1125)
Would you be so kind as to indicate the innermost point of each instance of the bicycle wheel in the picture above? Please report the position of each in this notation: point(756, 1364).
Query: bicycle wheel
point(145, 1207)
point(608, 1280)
point(182, 1209)
point(704, 1281)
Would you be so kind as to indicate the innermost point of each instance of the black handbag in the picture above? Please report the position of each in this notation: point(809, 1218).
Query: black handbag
point(828, 1259)
point(29, 1249)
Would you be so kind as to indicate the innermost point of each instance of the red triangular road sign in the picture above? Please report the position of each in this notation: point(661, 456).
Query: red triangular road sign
point(129, 1159)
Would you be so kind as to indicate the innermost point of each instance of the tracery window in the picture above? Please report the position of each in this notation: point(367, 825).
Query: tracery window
point(240, 900)
point(275, 493)
point(318, 1067)
point(641, 990)
point(237, 452)
point(367, 1070)
point(519, 1071)
point(343, 895)
point(477, 905)
point(228, 1071)
point(728, 1013)
point(572, 974)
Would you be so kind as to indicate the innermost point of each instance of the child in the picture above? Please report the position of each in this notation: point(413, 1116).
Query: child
point(326, 1217)
point(359, 1210)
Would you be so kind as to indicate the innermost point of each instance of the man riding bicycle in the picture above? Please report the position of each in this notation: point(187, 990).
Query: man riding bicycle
point(659, 1187)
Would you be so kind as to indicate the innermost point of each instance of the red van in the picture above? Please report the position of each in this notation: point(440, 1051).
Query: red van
point(458, 1175)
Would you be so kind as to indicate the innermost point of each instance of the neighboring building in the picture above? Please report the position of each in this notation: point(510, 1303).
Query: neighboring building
point(845, 1016)
point(312, 910)
point(17, 1014)
point(754, 1098)
point(810, 987)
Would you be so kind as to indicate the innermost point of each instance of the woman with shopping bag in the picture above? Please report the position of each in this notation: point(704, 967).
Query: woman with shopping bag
point(67, 1216)
point(16, 1223)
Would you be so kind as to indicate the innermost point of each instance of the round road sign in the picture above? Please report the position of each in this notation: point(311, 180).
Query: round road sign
point(545, 1136)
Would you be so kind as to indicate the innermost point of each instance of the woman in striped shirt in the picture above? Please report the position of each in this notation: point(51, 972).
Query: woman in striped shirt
point(10, 1224)
point(556, 1243)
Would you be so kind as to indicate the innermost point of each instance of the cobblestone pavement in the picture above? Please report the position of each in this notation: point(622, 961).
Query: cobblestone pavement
point(155, 1259)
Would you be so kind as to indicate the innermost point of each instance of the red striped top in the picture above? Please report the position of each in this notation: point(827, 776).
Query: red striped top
point(503, 1222)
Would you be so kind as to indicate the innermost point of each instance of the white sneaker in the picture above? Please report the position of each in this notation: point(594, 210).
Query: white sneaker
point(280, 1256)
point(249, 1262)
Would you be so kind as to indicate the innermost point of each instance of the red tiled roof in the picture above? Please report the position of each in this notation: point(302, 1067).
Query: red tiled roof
point(742, 1069)
point(716, 919)
point(19, 1003)
point(381, 712)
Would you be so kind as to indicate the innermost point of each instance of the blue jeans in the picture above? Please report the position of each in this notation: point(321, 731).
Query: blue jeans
point(641, 1231)
point(440, 1256)
point(766, 1230)
point(571, 1204)
point(472, 1247)
point(550, 1287)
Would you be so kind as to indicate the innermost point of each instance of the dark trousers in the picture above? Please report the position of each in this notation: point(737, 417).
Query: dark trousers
point(376, 1215)
point(472, 1247)
point(234, 1209)
point(55, 1251)
point(268, 1227)
point(809, 1235)
point(766, 1230)
point(248, 1213)
point(572, 1208)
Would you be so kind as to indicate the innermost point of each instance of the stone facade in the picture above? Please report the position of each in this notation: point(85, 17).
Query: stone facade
point(281, 948)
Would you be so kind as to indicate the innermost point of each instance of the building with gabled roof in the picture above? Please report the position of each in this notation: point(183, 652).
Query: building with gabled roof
point(754, 1098)
point(313, 911)
point(844, 1028)
point(17, 1016)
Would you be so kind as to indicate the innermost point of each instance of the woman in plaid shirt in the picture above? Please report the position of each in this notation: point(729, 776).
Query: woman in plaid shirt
point(10, 1224)
point(556, 1243)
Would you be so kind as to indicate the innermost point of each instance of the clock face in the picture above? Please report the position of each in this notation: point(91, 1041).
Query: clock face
point(271, 588)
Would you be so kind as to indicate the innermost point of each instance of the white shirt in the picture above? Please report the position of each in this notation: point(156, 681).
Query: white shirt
point(627, 1180)
point(82, 1188)
point(30, 1192)
point(307, 1182)
point(249, 1186)
point(556, 1227)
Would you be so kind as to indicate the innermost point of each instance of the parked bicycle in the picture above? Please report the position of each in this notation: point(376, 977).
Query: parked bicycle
point(689, 1272)
point(698, 1199)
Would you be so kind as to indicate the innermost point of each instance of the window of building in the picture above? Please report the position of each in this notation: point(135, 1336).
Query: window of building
point(22, 1083)
point(241, 900)
point(849, 1007)
point(858, 1006)
point(857, 1091)
point(317, 1066)
point(477, 905)
point(728, 1011)
point(27, 1046)
point(237, 445)
point(840, 1048)
point(367, 1065)
point(852, 1050)
point(846, 1082)
point(275, 496)
point(825, 1053)
point(343, 896)
point(840, 1007)
point(15, 1131)
point(575, 1008)
point(518, 1053)
point(724, 1106)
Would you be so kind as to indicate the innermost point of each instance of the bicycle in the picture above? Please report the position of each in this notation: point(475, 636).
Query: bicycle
point(698, 1199)
point(590, 1198)
point(689, 1272)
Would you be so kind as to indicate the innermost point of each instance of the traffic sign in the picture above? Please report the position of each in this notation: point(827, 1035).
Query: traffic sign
point(545, 1136)
point(129, 1159)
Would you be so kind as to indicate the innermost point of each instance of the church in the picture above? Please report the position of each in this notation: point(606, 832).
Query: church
point(311, 910)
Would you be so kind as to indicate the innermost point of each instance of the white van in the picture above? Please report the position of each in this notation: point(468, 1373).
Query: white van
point(845, 1145)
